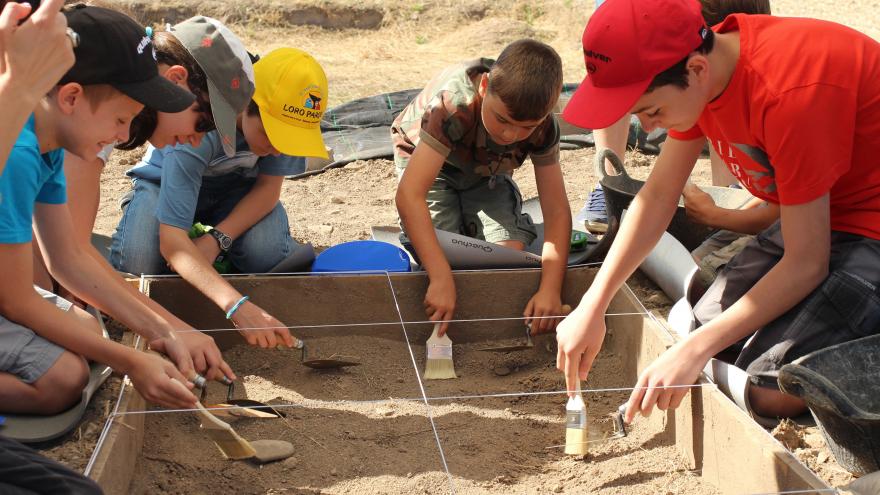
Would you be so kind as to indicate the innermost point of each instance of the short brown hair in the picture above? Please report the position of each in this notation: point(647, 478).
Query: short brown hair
point(715, 11)
point(99, 93)
point(527, 77)
point(95, 94)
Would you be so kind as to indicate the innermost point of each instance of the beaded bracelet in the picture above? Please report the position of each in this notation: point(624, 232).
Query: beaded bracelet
point(235, 307)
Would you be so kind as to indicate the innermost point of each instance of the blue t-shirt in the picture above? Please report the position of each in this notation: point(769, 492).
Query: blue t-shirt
point(183, 171)
point(29, 177)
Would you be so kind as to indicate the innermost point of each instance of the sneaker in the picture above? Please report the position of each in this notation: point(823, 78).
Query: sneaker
point(593, 214)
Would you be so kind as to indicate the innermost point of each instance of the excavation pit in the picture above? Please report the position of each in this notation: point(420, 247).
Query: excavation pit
point(497, 428)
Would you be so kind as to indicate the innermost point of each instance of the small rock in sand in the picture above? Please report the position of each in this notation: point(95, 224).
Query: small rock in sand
point(323, 229)
point(384, 411)
point(501, 370)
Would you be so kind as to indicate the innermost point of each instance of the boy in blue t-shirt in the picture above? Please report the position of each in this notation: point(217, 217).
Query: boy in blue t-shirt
point(44, 341)
point(236, 196)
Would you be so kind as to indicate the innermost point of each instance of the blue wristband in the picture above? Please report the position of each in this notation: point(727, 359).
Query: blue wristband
point(235, 307)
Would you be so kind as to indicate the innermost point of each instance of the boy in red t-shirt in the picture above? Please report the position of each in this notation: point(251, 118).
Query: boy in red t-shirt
point(793, 108)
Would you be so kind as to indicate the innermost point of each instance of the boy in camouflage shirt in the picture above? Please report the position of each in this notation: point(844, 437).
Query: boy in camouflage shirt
point(458, 143)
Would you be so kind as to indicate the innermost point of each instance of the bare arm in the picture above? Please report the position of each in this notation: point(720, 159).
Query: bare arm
point(554, 252)
point(411, 201)
point(82, 274)
point(259, 327)
point(33, 57)
point(255, 205)
point(581, 334)
point(646, 219)
point(151, 375)
point(84, 195)
point(748, 220)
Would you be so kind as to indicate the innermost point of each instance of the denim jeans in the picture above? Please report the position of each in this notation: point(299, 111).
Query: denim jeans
point(135, 247)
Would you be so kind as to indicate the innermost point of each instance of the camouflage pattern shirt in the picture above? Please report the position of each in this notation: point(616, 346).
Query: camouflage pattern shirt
point(446, 117)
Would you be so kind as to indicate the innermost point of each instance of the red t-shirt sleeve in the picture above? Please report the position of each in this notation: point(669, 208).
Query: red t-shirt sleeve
point(693, 133)
point(809, 136)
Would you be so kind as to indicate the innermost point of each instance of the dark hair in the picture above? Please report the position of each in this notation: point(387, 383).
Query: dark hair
point(715, 11)
point(527, 77)
point(170, 51)
point(253, 109)
point(677, 75)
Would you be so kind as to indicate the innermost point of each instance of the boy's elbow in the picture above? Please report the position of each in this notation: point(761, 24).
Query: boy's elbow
point(166, 241)
point(14, 305)
point(819, 273)
point(811, 270)
point(403, 200)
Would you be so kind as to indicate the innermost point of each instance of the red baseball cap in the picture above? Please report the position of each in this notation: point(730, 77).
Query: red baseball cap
point(626, 44)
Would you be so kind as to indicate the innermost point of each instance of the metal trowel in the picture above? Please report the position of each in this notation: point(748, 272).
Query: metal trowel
point(619, 423)
point(241, 408)
point(520, 345)
point(333, 361)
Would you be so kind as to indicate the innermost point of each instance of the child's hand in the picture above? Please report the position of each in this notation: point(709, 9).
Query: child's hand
point(260, 328)
point(440, 301)
point(177, 352)
point(699, 205)
point(543, 303)
point(579, 337)
point(35, 54)
point(206, 355)
point(154, 378)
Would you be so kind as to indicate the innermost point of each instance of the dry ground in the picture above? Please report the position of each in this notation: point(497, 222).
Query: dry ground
point(416, 39)
point(385, 444)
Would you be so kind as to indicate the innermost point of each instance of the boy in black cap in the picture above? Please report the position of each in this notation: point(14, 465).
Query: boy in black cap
point(44, 341)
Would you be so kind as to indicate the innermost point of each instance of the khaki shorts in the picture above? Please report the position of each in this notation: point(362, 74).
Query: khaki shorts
point(717, 251)
point(468, 204)
point(24, 353)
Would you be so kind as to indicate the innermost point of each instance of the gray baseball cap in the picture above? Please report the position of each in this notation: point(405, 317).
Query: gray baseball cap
point(223, 58)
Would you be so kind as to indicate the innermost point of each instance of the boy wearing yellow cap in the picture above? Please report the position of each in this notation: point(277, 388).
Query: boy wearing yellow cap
point(237, 196)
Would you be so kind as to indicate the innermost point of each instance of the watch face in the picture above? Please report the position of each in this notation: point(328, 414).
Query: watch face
point(225, 242)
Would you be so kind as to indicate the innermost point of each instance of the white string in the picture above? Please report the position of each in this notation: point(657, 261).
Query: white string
point(792, 492)
point(421, 385)
point(422, 399)
point(385, 323)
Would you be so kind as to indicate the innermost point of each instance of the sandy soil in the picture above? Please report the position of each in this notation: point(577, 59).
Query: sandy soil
point(809, 446)
point(415, 41)
point(386, 444)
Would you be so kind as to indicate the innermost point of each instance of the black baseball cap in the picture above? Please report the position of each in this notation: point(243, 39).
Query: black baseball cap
point(114, 49)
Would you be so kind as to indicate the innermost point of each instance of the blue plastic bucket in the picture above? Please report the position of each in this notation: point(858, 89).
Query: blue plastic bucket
point(357, 256)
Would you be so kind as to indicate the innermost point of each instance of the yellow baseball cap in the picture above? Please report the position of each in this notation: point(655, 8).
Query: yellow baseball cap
point(291, 91)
